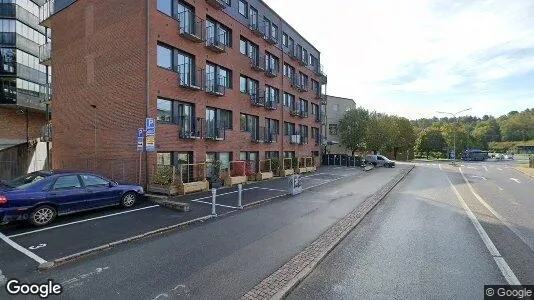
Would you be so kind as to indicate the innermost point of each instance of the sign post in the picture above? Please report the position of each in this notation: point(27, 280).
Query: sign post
point(140, 147)
point(150, 130)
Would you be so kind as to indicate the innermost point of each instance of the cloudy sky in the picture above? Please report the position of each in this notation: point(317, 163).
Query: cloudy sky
point(416, 57)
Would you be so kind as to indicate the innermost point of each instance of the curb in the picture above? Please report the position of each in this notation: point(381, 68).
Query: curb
point(60, 261)
point(280, 283)
point(526, 173)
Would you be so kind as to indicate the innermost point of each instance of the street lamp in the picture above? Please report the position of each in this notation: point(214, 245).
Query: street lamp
point(454, 116)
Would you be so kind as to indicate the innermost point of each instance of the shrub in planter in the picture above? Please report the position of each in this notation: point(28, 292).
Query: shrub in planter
point(275, 166)
point(163, 175)
point(295, 163)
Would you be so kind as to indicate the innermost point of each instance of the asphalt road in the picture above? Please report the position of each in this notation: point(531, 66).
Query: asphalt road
point(420, 242)
point(219, 259)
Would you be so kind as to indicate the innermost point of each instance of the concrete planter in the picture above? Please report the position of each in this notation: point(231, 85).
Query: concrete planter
point(264, 176)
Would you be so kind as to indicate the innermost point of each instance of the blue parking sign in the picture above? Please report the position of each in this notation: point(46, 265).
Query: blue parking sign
point(150, 134)
point(140, 139)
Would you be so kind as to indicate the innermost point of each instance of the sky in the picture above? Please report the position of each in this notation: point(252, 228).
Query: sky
point(415, 57)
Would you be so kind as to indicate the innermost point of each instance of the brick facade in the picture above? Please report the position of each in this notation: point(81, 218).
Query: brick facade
point(13, 124)
point(99, 59)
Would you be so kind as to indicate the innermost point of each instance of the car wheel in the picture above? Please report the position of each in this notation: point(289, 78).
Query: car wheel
point(128, 199)
point(374, 164)
point(43, 215)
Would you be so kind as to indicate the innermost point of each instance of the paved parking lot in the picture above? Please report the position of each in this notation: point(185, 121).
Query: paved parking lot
point(81, 232)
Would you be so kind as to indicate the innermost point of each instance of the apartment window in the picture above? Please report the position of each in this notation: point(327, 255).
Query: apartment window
point(9, 60)
point(175, 112)
point(272, 154)
point(304, 55)
point(217, 32)
point(299, 51)
point(23, 86)
point(243, 8)
point(272, 126)
point(248, 48)
point(249, 123)
point(289, 71)
point(313, 61)
point(274, 31)
point(248, 85)
point(303, 130)
point(290, 44)
point(303, 79)
point(223, 157)
point(174, 158)
point(271, 62)
point(314, 109)
point(315, 133)
point(271, 94)
point(219, 75)
point(335, 107)
point(289, 100)
point(289, 154)
point(289, 128)
point(284, 39)
point(315, 86)
point(165, 6)
point(332, 128)
point(164, 57)
point(303, 105)
point(253, 13)
point(252, 157)
point(222, 117)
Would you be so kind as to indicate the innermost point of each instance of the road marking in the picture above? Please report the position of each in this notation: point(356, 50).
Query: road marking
point(516, 180)
point(495, 213)
point(481, 177)
point(3, 279)
point(77, 280)
point(268, 189)
point(37, 246)
point(486, 168)
point(499, 260)
point(499, 169)
point(22, 249)
point(440, 167)
point(311, 187)
point(221, 205)
point(500, 188)
point(82, 221)
point(473, 168)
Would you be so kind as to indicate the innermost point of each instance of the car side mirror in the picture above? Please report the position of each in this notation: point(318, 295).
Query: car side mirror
point(112, 184)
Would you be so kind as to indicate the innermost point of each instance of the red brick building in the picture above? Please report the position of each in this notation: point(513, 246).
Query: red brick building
point(225, 79)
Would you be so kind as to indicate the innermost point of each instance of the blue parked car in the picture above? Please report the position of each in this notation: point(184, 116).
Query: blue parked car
point(41, 196)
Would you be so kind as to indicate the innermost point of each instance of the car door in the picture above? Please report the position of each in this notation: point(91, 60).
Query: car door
point(67, 193)
point(99, 192)
point(380, 161)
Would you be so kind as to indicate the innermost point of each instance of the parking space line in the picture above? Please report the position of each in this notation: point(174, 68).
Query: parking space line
point(221, 205)
point(311, 187)
point(268, 189)
point(22, 249)
point(82, 221)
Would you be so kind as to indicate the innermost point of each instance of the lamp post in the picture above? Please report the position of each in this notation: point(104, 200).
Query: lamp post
point(456, 119)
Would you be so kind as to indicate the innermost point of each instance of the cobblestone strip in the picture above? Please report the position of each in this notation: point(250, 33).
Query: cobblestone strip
point(283, 280)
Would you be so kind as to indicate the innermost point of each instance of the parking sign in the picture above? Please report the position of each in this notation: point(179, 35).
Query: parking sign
point(150, 133)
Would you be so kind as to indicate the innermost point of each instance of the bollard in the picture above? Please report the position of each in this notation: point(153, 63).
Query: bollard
point(240, 196)
point(213, 196)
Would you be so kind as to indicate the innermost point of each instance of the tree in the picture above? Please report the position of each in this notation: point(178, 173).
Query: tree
point(402, 134)
point(430, 140)
point(379, 134)
point(352, 128)
point(487, 131)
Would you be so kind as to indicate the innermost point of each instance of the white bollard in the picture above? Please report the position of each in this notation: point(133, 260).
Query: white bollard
point(240, 196)
point(213, 196)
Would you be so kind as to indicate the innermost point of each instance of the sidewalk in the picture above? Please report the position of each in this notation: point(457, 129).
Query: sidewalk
point(224, 258)
point(526, 170)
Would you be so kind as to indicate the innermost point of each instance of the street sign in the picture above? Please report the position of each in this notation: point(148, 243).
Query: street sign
point(140, 139)
point(150, 130)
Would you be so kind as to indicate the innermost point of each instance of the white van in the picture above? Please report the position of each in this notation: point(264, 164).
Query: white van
point(379, 161)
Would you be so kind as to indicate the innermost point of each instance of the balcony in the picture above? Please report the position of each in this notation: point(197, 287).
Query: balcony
point(271, 104)
point(45, 12)
point(188, 77)
point(218, 4)
point(214, 86)
point(297, 83)
point(188, 128)
point(257, 100)
point(191, 26)
point(45, 54)
point(257, 63)
point(271, 71)
point(303, 61)
point(318, 118)
point(293, 54)
point(216, 43)
point(302, 87)
point(303, 140)
point(294, 139)
point(256, 28)
point(319, 71)
point(214, 131)
point(298, 112)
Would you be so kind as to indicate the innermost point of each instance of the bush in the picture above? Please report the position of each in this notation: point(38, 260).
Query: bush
point(163, 175)
point(275, 164)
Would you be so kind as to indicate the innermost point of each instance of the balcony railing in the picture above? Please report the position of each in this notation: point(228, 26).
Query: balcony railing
point(303, 61)
point(303, 140)
point(256, 28)
point(218, 4)
point(294, 139)
point(293, 53)
point(299, 112)
point(318, 118)
point(191, 26)
point(267, 34)
point(258, 135)
point(270, 136)
point(270, 102)
point(257, 99)
point(257, 63)
point(45, 54)
point(215, 86)
point(189, 128)
point(319, 71)
point(216, 43)
point(45, 12)
point(188, 77)
point(298, 84)
point(214, 131)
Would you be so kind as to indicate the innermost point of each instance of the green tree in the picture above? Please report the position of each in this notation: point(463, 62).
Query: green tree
point(430, 140)
point(487, 131)
point(378, 136)
point(352, 128)
point(402, 134)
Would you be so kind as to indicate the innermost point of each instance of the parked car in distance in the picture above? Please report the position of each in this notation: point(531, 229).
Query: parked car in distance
point(379, 161)
point(41, 196)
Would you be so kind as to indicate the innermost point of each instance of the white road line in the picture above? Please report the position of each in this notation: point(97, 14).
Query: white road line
point(440, 167)
point(500, 188)
point(499, 260)
point(486, 168)
point(311, 187)
point(82, 221)
point(22, 249)
point(499, 169)
point(495, 213)
point(516, 180)
point(481, 177)
point(268, 189)
point(221, 205)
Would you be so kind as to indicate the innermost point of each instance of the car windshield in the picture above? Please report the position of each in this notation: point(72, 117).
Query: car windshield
point(26, 180)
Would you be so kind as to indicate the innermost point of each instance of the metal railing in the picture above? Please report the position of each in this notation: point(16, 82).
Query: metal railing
point(218, 4)
point(256, 28)
point(191, 26)
point(270, 136)
point(257, 99)
point(215, 86)
point(215, 42)
point(258, 135)
point(271, 103)
point(267, 36)
point(189, 128)
point(303, 140)
point(188, 77)
point(45, 53)
point(294, 139)
point(271, 69)
point(257, 63)
point(214, 131)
